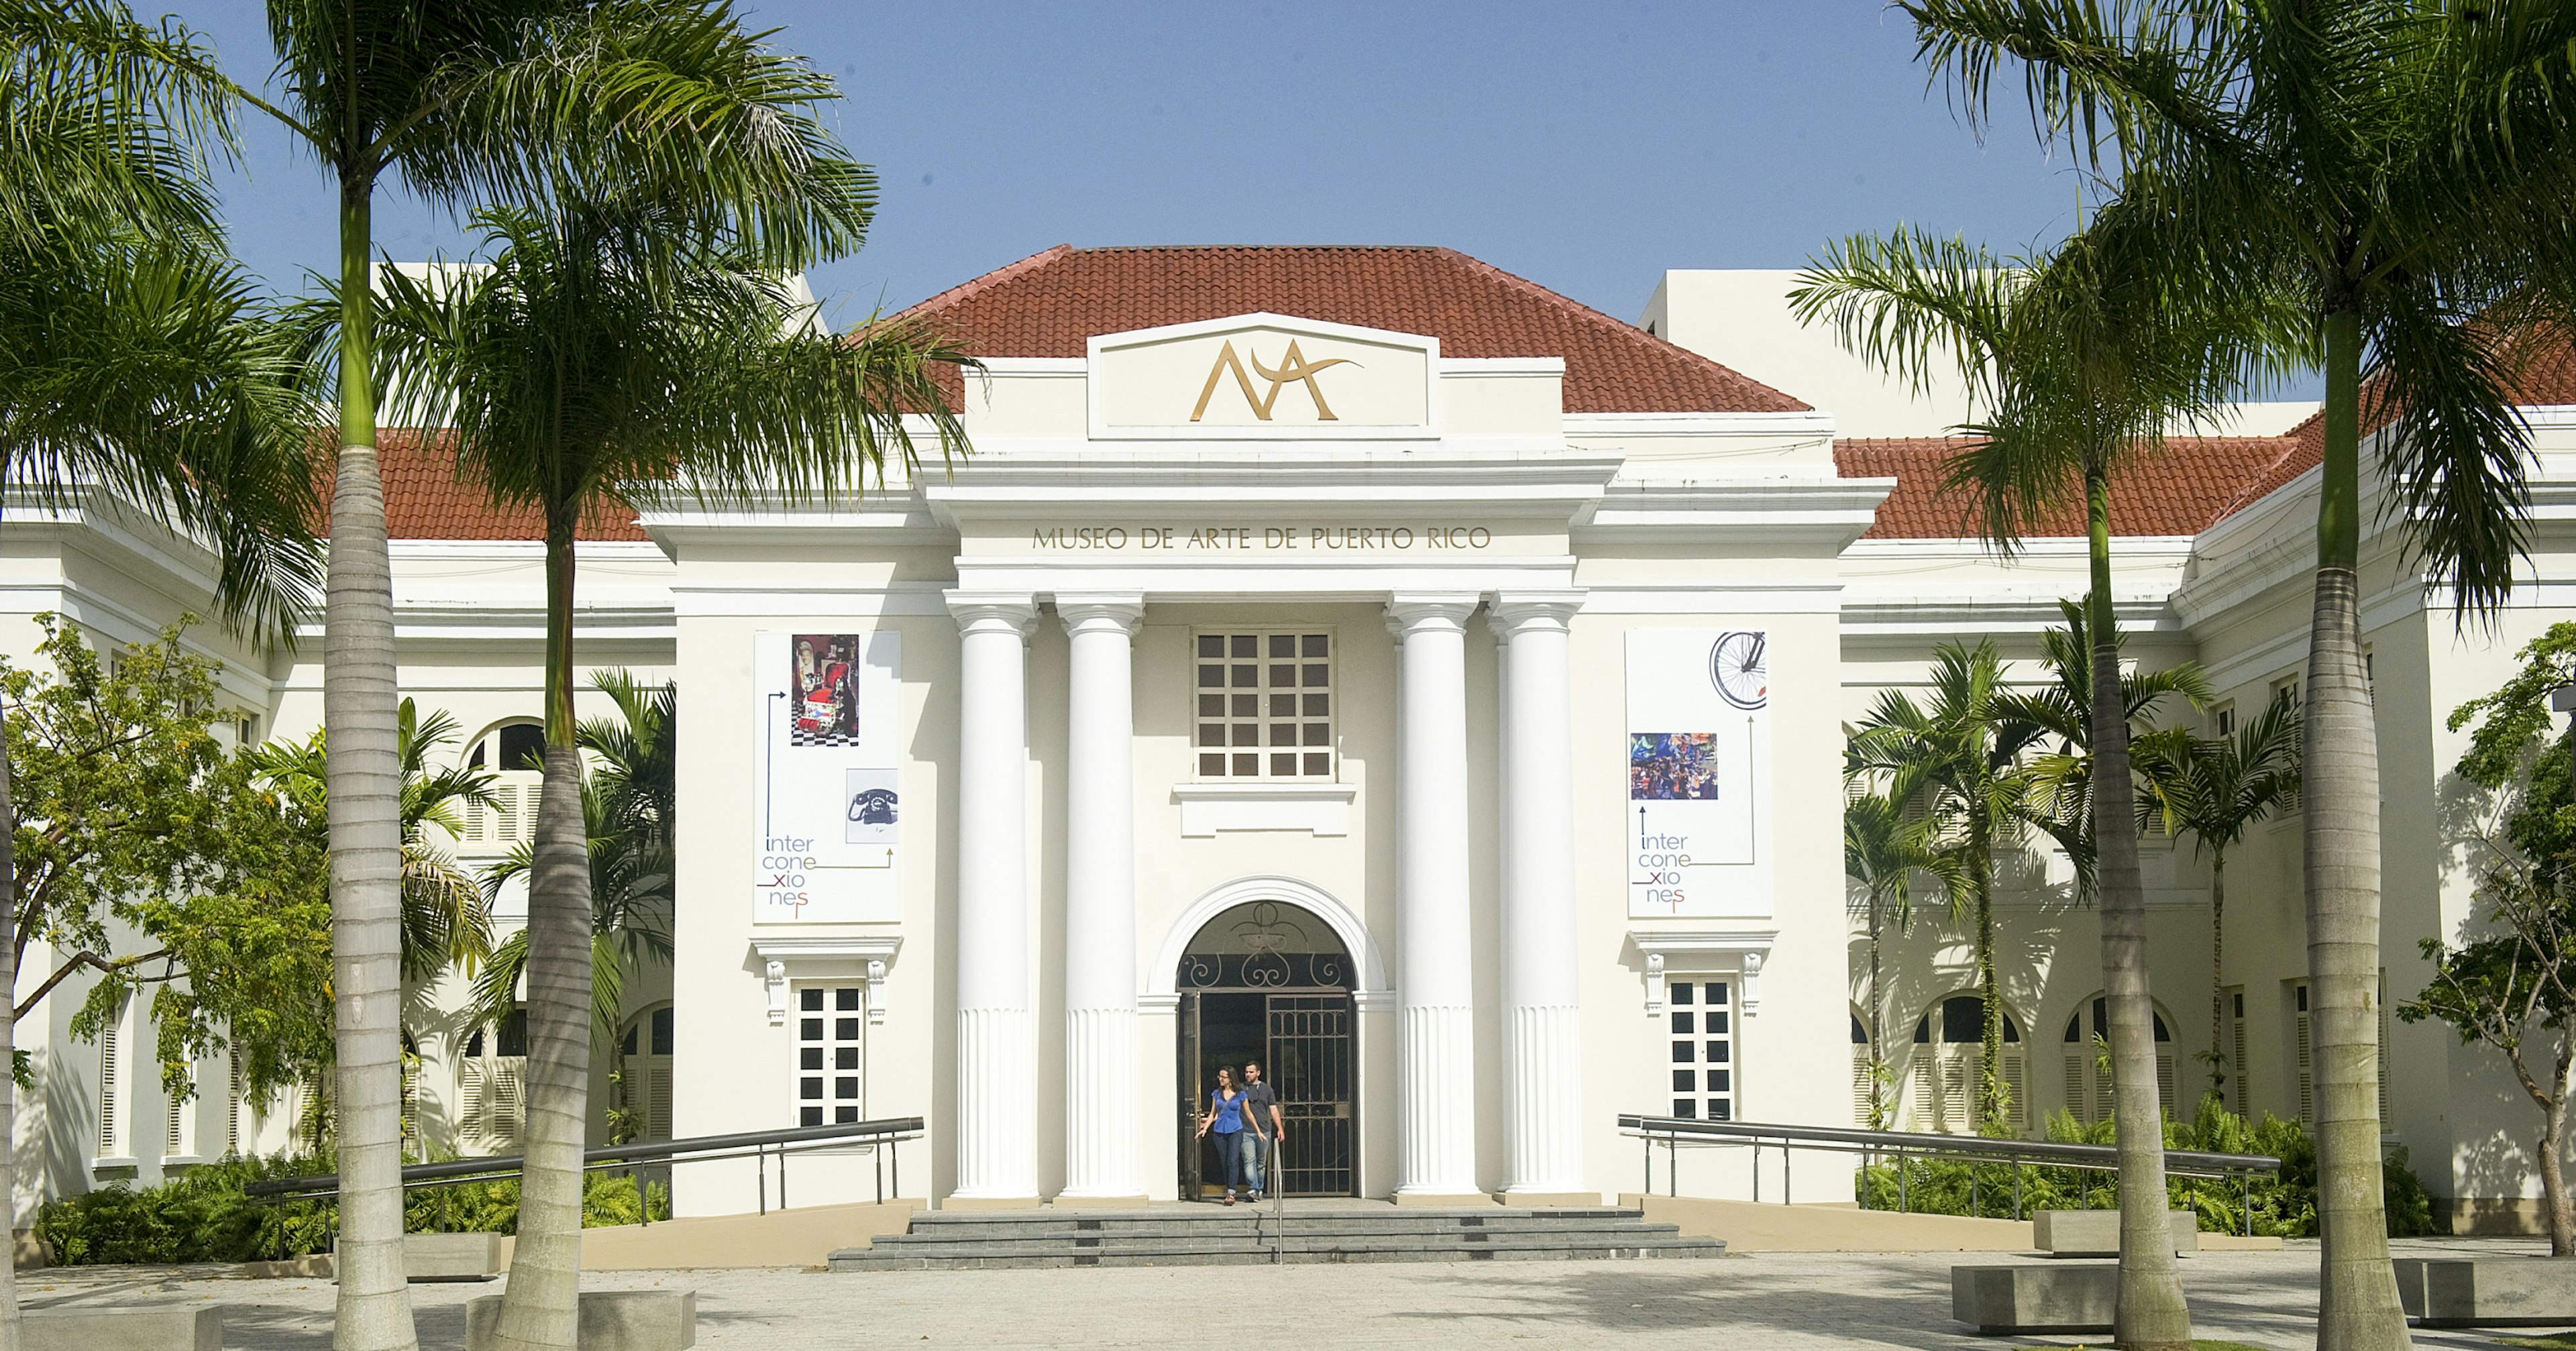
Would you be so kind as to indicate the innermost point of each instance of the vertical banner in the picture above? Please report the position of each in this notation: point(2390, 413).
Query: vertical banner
point(1699, 773)
point(827, 813)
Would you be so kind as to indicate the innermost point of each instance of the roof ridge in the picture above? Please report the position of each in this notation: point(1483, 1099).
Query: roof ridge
point(1621, 327)
point(988, 280)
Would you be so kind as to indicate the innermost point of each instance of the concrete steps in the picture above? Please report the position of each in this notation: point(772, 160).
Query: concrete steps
point(1197, 1235)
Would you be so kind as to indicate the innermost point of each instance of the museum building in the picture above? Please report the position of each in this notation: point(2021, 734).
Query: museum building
point(1370, 663)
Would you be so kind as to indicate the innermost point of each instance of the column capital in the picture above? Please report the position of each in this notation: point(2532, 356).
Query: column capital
point(1410, 612)
point(1517, 611)
point(990, 611)
point(1100, 611)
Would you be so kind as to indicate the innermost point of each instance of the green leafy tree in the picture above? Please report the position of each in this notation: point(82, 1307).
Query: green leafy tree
point(2387, 169)
point(1882, 851)
point(603, 350)
point(674, 100)
point(149, 857)
point(1957, 755)
point(2218, 788)
point(2512, 983)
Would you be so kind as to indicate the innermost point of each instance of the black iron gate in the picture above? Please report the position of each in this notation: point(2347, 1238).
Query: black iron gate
point(1305, 1042)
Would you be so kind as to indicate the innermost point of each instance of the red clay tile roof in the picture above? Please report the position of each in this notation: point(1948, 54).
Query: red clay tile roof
point(425, 500)
point(1047, 304)
point(2191, 486)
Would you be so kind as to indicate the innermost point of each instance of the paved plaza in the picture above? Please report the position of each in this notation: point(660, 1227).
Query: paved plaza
point(1750, 1303)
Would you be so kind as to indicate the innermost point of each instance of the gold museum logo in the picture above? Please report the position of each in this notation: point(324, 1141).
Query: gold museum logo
point(1294, 369)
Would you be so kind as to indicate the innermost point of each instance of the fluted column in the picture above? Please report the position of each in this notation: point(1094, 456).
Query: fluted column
point(996, 1147)
point(1542, 1021)
point(1435, 979)
point(1100, 899)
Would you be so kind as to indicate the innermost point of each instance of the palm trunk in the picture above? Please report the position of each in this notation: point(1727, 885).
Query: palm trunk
point(2357, 1288)
point(2218, 971)
point(9, 1046)
point(2151, 1314)
point(1994, 1100)
point(540, 1307)
point(364, 779)
point(1877, 1028)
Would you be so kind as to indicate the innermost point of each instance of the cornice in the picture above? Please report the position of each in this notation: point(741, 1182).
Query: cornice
point(1771, 509)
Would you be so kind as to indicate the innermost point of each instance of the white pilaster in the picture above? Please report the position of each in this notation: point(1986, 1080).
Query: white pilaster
point(1542, 1021)
point(1100, 900)
point(996, 1149)
point(1434, 983)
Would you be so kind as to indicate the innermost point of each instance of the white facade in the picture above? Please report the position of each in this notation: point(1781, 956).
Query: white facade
point(997, 876)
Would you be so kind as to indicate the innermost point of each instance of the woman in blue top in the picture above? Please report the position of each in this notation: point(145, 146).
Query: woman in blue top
point(1225, 1117)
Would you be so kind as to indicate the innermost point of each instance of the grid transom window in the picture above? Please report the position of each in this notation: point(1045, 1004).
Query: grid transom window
point(828, 1018)
point(1700, 1023)
point(1265, 705)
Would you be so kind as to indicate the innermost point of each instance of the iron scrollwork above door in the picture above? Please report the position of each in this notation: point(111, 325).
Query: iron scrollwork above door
point(1278, 954)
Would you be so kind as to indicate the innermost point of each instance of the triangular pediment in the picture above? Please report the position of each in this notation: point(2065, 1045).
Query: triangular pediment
point(1264, 376)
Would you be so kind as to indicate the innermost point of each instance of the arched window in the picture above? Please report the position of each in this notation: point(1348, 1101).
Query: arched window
point(2088, 1087)
point(644, 1072)
point(514, 752)
point(1949, 1064)
point(491, 1083)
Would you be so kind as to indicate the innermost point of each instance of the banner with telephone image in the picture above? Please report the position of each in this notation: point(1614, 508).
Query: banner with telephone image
point(828, 813)
point(1699, 773)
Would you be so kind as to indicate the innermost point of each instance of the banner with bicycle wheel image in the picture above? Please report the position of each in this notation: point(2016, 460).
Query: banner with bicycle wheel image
point(1699, 773)
point(827, 807)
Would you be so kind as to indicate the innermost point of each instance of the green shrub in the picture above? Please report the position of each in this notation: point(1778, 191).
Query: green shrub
point(2285, 1206)
point(205, 1216)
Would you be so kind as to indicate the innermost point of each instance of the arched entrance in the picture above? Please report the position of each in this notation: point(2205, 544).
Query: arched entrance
point(1269, 981)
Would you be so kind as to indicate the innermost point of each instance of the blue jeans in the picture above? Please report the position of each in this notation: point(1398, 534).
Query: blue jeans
point(1229, 1157)
point(1256, 1157)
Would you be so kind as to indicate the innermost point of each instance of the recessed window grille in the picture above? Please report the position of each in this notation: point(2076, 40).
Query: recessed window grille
point(828, 1023)
point(1700, 1025)
point(1265, 705)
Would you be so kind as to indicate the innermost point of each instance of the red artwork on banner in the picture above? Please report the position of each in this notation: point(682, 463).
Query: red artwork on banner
point(827, 690)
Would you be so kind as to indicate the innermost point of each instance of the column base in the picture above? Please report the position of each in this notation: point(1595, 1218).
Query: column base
point(1136, 1202)
point(1452, 1200)
point(988, 1203)
point(1549, 1200)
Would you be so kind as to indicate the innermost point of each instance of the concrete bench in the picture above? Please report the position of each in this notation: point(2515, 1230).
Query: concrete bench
point(2036, 1296)
point(611, 1320)
point(167, 1325)
point(2096, 1233)
point(450, 1257)
point(2455, 1292)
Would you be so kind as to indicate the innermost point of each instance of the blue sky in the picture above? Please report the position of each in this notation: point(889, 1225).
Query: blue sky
point(1587, 147)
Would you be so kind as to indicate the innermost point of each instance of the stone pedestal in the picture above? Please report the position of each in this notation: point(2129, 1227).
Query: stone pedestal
point(173, 1325)
point(2036, 1296)
point(2096, 1233)
point(2454, 1292)
point(611, 1320)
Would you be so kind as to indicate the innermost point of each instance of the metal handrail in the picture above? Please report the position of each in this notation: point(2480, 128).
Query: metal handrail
point(1855, 1140)
point(1872, 1144)
point(689, 1149)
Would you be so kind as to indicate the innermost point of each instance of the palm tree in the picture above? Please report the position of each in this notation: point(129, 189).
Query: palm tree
point(446, 919)
point(1956, 755)
point(135, 364)
point(2217, 789)
point(2080, 360)
point(608, 350)
point(2387, 168)
point(2059, 715)
point(628, 802)
point(1882, 850)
